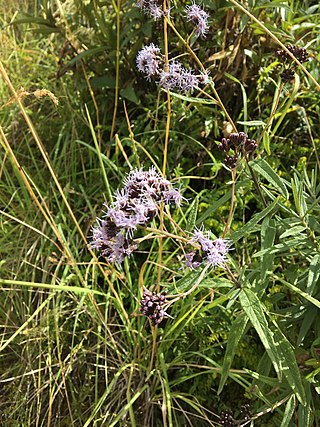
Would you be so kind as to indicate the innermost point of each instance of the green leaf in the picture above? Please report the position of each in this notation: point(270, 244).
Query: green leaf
point(264, 169)
point(309, 317)
point(86, 53)
point(130, 94)
point(285, 247)
point(56, 288)
point(185, 282)
point(272, 4)
point(99, 82)
point(193, 212)
point(251, 122)
point(235, 334)
point(255, 311)
point(249, 227)
point(308, 297)
point(299, 199)
point(166, 387)
point(293, 231)
point(193, 99)
point(268, 232)
point(289, 365)
point(288, 411)
point(266, 143)
point(217, 282)
point(304, 416)
point(314, 273)
point(216, 205)
point(286, 108)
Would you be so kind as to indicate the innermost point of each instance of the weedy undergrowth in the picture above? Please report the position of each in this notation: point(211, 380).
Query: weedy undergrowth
point(192, 135)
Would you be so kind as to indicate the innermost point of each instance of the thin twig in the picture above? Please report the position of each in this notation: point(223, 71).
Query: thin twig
point(116, 93)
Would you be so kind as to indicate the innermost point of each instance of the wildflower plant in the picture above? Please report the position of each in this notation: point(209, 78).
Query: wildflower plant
point(199, 290)
point(134, 207)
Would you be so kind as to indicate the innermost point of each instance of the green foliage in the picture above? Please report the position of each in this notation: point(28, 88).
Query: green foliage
point(74, 349)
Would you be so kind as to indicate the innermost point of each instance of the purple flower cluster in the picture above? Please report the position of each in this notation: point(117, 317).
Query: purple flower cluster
point(136, 204)
point(199, 18)
point(151, 305)
point(213, 252)
point(151, 63)
point(178, 77)
point(111, 241)
point(151, 8)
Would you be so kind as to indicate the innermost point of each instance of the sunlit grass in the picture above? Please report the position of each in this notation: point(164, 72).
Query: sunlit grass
point(74, 349)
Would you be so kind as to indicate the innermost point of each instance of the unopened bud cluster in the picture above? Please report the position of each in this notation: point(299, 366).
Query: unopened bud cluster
point(151, 305)
point(287, 75)
point(299, 52)
point(236, 142)
point(227, 420)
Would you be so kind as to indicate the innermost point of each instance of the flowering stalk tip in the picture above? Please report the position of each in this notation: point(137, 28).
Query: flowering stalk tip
point(213, 252)
point(199, 18)
point(136, 204)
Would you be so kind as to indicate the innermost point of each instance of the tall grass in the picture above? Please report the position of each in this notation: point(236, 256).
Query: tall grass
point(75, 351)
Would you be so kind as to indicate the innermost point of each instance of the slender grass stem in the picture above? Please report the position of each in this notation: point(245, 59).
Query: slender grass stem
point(116, 93)
point(273, 111)
point(227, 226)
point(195, 57)
point(58, 234)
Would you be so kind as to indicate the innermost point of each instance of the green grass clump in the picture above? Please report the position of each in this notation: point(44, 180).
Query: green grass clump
point(76, 117)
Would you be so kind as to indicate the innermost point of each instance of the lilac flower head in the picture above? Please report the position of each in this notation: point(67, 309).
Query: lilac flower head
point(151, 8)
point(136, 204)
point(214, 252)
point(148, 60)
point(150, 185)
point(199, 17)
point(111, 241)
point(177, 77)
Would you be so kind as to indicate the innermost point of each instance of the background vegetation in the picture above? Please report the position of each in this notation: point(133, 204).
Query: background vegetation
point(76, 115)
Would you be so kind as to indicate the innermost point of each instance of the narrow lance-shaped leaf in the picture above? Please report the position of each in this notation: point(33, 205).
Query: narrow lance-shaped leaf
point(263, 168)
point(314, 273)
point(249, 226)
point(234, 337)
point(185, 282)
point(192, 217)
point(268, 232)
point(289, 365)
point(288, 411)
point(255, 311)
